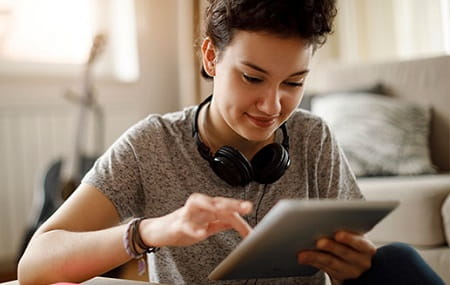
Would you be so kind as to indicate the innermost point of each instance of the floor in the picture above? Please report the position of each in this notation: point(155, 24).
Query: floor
point(8, 271)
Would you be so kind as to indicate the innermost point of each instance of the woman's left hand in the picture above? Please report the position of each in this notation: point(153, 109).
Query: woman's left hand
point(346, 256)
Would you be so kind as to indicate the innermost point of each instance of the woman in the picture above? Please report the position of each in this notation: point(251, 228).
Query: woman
point(194, 174)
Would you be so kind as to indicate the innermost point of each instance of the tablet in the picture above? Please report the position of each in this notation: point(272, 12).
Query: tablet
point(292, 226)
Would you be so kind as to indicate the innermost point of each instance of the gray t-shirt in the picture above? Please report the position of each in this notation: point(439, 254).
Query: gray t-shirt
point(153, 168)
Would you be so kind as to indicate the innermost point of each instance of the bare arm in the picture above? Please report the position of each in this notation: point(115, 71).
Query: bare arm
point(81, 240)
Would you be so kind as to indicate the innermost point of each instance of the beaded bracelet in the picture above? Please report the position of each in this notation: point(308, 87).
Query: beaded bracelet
point(131, 239)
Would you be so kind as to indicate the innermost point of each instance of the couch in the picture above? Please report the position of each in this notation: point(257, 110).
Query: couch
point(423, 217)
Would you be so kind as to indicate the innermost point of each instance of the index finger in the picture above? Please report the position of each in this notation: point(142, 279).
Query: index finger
point(232, 205)
point(239, 224)
point(356, 241)
point(201, 201)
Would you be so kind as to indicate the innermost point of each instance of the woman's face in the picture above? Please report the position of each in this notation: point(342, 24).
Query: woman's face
point(258, 82)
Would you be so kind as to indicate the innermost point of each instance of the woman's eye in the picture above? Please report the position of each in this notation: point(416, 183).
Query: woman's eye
point(294, 84)
point(251, 79)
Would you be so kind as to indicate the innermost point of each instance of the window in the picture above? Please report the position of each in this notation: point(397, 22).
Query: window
point(54, 37)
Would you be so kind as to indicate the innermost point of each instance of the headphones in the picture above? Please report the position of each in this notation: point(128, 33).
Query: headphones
point(266, 167)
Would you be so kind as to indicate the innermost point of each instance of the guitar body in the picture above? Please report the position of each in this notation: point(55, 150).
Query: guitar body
point(53, 194)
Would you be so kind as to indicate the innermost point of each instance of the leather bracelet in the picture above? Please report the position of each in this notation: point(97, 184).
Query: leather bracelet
point(131, 239)
point(137, 239)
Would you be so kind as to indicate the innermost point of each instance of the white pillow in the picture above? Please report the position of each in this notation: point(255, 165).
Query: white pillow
point(379, 135)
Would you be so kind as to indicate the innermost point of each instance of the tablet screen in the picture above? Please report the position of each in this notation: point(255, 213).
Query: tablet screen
point(292, 226)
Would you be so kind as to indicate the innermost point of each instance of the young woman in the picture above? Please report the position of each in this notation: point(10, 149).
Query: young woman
point(201, 178)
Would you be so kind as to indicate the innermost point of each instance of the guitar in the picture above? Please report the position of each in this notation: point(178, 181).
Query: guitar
point(64, 175)
point(75, 167)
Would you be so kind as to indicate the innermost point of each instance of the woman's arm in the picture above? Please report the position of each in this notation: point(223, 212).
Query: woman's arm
point(81, 240)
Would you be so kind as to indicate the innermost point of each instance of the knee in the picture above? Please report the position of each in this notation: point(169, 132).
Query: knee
point(402, 264)
point(397, 251)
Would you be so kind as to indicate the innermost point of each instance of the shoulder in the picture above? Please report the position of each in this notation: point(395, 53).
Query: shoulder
point(306, 123)
point(178, 119)
point(156, 132)
point(170, 124)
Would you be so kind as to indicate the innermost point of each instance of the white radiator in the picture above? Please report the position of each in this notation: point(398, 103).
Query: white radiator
point(31, 138)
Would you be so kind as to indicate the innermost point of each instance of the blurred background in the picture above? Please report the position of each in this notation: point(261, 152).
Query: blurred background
point(63, 97)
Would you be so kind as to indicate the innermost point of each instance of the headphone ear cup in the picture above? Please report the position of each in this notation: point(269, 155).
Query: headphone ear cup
point(270, 163)
point(232, 166)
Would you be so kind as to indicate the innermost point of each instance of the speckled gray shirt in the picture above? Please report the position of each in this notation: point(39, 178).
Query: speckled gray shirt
point(153, 168)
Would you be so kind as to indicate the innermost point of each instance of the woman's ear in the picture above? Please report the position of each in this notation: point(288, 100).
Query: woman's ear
point(209, 57)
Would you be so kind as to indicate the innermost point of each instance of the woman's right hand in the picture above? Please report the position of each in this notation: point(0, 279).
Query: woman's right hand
point(201, 216)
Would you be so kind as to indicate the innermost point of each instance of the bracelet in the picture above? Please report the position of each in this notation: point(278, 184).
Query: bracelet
point(137, 239)
point(132, 239)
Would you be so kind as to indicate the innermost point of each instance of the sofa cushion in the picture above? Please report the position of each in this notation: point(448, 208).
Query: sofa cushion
point(446, 218)
point(380, 135)
point(439, 259)
point(417, 220)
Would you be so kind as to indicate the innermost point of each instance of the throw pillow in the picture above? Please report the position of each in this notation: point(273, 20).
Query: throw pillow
point(379, 135)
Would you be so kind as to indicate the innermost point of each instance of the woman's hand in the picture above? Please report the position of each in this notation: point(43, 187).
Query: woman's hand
point(201, 216)
point(346, 256)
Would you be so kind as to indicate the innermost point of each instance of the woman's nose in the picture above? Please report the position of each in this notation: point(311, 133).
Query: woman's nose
point(269, 102)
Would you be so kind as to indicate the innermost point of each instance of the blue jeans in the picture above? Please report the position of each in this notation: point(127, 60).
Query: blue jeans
point(397, 263)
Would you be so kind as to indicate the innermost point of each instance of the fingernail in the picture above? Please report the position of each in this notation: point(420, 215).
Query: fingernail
point(340, 235)
point(200, 232)
point(246, 205)
point(303, 258)
point(321, 243)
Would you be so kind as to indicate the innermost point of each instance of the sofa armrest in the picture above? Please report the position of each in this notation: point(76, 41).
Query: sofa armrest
point(418, 220)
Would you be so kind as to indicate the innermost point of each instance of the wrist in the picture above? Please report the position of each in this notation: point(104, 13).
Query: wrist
point(144, 246)
point(134, 245)
point(147, 230)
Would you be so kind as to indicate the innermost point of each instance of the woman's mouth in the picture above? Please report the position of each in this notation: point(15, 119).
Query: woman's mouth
point(262, 122)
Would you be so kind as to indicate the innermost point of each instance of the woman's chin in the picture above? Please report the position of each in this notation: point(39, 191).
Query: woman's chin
point(258, 135)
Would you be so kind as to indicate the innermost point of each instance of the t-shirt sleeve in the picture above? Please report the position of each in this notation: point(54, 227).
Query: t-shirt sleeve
point(117, 174)
point(334, 178)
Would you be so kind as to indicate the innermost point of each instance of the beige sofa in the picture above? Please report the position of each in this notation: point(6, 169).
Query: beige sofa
point(423, 217)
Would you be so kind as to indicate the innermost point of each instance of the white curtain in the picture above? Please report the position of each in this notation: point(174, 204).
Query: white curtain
point(368, 30)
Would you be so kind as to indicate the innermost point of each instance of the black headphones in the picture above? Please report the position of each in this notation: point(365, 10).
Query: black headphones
point(266, 167)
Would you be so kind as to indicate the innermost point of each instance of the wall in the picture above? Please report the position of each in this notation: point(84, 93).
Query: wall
point(36, 122)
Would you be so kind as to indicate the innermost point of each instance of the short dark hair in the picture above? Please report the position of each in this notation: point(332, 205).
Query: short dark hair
point(311, 20)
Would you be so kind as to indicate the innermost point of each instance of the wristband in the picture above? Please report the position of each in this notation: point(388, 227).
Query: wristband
point(132, 239)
